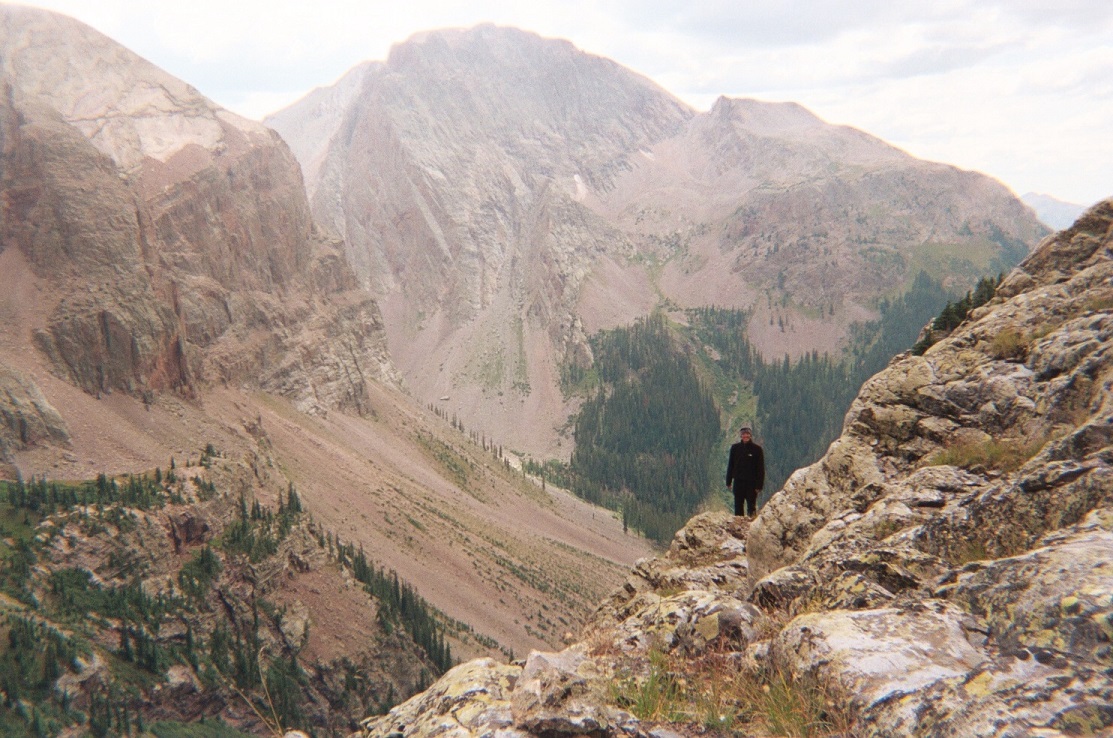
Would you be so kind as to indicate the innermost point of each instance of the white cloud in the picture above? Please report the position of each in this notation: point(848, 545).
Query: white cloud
point(1020, 89)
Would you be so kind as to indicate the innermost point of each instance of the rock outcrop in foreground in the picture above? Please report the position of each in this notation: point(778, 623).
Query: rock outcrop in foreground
point(945, 568)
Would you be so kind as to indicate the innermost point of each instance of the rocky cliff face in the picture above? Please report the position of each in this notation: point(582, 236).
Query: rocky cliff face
point(171, 241)
point(455, 174)
point(943, 570)
point(505, 195)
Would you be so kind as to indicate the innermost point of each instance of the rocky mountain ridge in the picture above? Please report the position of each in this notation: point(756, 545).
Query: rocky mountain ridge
point(163, 270)
point(943, 570)
point(1056, 213)
point(505, 196)
point(163, 288)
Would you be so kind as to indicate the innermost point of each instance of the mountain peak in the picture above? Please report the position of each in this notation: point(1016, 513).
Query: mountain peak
point(526, 194)
point(1052, 211)
point(127, 107)
point(489, 34)
point(760, 114)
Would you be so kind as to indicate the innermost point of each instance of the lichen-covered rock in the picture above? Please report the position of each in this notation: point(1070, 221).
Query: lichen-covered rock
point(848, 478)
point(1056, 600)
point(689, 622)
point(707, 554)
point(781, 589)
point(874, 654)
point(554, 697)
point(1010, 515)
point(554, 694)
point(850, 573)
point(1008, 697)
point(472, 699)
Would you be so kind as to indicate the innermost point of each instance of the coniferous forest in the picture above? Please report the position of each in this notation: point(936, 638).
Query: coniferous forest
point(643, 438)
point(665, 397)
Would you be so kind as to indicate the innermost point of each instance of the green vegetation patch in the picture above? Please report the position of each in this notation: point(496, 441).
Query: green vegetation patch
point(712, 693)
point(400, 605)
point(201, 729)
point(1000, 454)
point(664, 402)
point(451, 461)
point(939, 259)
point(643, 440)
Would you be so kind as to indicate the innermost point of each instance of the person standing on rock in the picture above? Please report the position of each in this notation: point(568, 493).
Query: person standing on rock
point(746, 471)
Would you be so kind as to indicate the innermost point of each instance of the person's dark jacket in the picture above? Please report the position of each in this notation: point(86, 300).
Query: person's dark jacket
point(746, 467)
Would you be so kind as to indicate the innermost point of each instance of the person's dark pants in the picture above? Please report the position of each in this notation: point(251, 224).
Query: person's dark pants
point(747, 497)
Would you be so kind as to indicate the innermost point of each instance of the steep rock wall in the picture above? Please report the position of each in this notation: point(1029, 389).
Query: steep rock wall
point(173, 238)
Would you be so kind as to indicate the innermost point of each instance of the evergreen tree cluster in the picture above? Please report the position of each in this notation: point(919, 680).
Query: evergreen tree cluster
point(649, 438)
point(800, 409)
point(36, 655)
point(77, 594)
point(953, 313)
point(257, 533)
point(400, 604)
point(111, 714)
point(643, 439)
point(137, 491)
point(801, 404)
point(197, 575)
point(236, 652)
point(873, 344)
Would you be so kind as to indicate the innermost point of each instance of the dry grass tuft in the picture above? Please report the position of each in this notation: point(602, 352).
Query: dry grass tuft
point(1099, 304)
point(718, 692)
point(887, 527)
point(1003, 455)
point(1009, 344)
point(969, 551)
point(600, 643)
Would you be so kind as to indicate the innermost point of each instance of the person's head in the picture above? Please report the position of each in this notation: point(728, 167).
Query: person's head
point(745, 434)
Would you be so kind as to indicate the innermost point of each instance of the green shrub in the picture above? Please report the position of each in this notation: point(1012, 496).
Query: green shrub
point(198, 574)
point(202, 729)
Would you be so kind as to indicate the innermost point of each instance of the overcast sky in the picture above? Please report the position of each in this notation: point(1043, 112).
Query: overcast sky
point(1019, 89)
